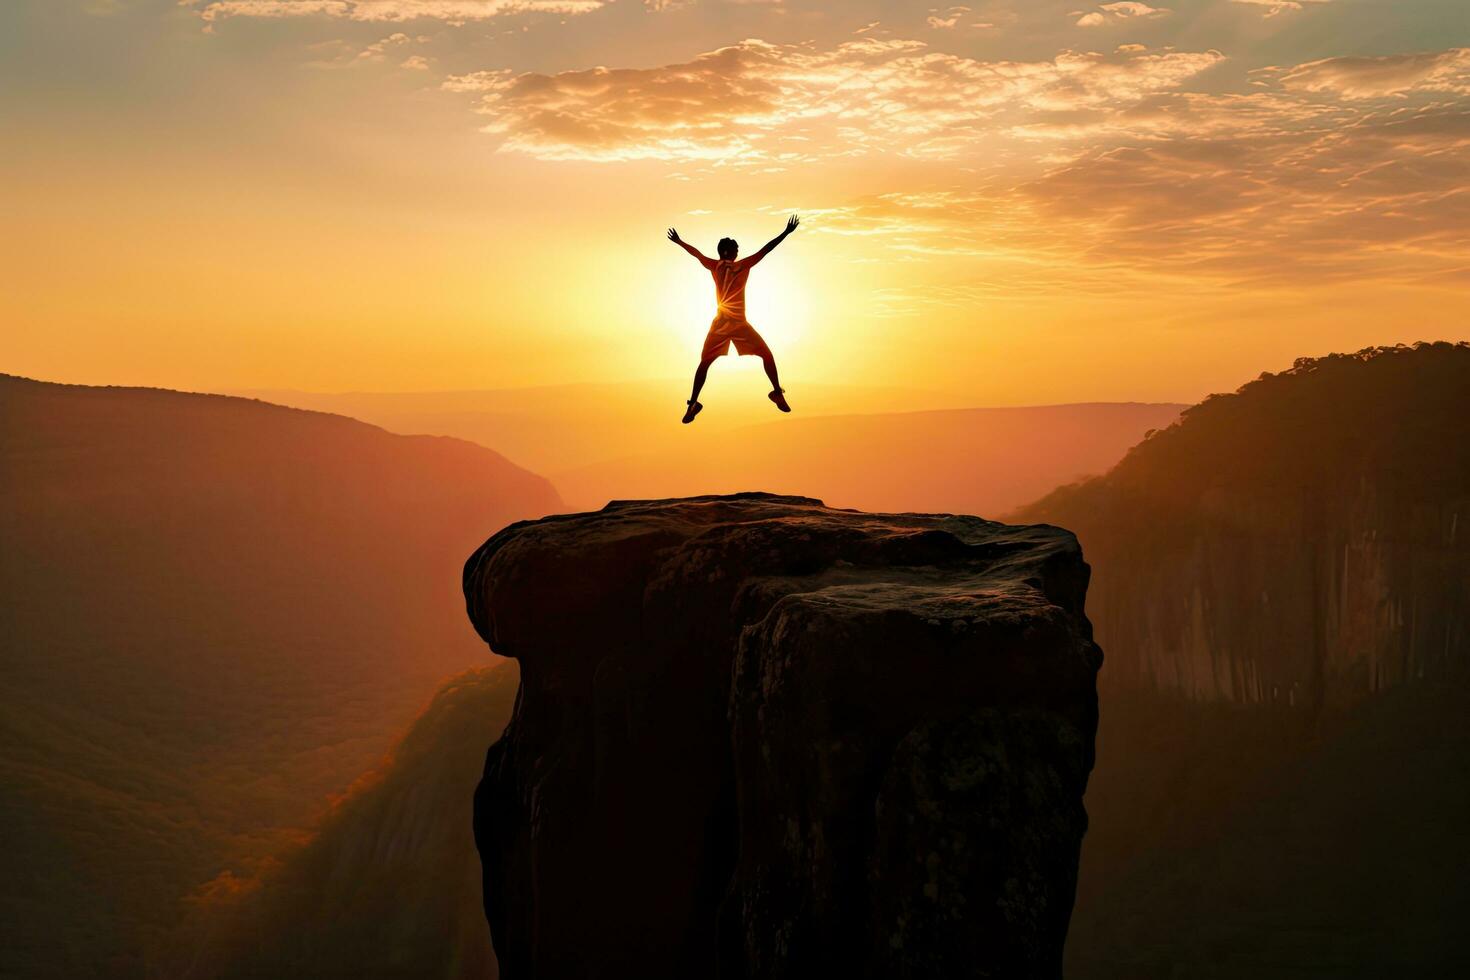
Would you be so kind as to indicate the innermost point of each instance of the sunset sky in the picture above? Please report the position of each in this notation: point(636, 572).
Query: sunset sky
point(1019, 201)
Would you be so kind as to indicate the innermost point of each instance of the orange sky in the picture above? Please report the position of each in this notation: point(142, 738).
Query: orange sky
point(1012, 202)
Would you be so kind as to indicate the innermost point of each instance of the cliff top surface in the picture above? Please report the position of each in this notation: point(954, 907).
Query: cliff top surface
point(753, 545)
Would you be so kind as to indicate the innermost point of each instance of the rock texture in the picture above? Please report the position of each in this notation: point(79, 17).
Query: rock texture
point(758, 737)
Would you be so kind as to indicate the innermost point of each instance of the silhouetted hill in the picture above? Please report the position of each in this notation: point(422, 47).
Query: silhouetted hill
point(389, 885)
point(1282, 585)
point(217, 613)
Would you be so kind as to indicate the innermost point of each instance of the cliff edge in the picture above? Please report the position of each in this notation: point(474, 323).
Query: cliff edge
point(760, 737)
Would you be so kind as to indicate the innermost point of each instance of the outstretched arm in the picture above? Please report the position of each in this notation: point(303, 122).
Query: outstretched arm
point(791, 225)
point(704, 260)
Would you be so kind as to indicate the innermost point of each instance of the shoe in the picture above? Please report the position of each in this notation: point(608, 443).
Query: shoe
point(693, 410)
point(779, 397)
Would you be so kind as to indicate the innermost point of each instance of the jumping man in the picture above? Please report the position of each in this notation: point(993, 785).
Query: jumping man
point(730, 325)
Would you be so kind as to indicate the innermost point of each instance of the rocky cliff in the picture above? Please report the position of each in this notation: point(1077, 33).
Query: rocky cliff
point(1303, 542)
point(758, 737)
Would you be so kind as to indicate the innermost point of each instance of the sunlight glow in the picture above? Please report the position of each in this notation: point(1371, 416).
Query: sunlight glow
point(776, 304)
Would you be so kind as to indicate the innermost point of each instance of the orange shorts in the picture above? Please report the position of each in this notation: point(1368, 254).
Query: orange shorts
point(726, 331)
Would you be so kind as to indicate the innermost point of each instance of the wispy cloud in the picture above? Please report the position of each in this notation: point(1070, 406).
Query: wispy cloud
point(946, 18)
point(1391, 192)
point(1330, 174)
point(1384, 195)
point(1369, 78)
point(1273, 8)
point(757, 102)
point(379, 49)
point(454, 11)
point(1120, 11)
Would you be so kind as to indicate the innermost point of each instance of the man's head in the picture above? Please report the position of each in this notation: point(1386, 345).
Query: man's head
point(728, 248)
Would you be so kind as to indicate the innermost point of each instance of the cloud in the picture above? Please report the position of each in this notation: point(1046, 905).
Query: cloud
point(222, 9)
point(1123, 10)
point(1368, 78)
point(1326, 176)
point(376, 50)
point(1391, 191)
point(1183, 115)
point(661, 5)
point(454, 11)
point(947, 18)
point(758, 102)
point(1385, 195)
point(1271, 8)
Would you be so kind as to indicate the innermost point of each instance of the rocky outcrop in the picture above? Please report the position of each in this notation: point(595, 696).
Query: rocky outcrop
point(758, 737)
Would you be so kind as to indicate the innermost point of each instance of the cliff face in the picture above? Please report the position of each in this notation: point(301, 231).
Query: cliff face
point(1302, 542)
point(1309, 602)
point(759, 737)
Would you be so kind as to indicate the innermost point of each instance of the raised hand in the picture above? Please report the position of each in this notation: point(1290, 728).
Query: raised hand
point(674, 237)
point(792, 223)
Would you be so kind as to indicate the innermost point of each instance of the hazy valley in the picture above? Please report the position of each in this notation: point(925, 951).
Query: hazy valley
point(218, 614)
point(869, 448)
point(226, 612)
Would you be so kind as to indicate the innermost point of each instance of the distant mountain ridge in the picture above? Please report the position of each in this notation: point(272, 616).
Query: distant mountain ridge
point(983, 461)
point(218, 613)
point(854, 446)
point(552, 428)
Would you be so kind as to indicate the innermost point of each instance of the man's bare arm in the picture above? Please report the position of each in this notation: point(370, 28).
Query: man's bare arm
point(792, 223)
point(704, 260)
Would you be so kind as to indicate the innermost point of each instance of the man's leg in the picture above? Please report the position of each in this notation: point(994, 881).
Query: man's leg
point(768, 360)
point(700, 373)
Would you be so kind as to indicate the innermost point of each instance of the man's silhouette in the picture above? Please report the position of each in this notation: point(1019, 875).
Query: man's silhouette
point(730, 325)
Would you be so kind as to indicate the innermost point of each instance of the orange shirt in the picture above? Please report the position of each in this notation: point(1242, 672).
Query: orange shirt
point(730, 280)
